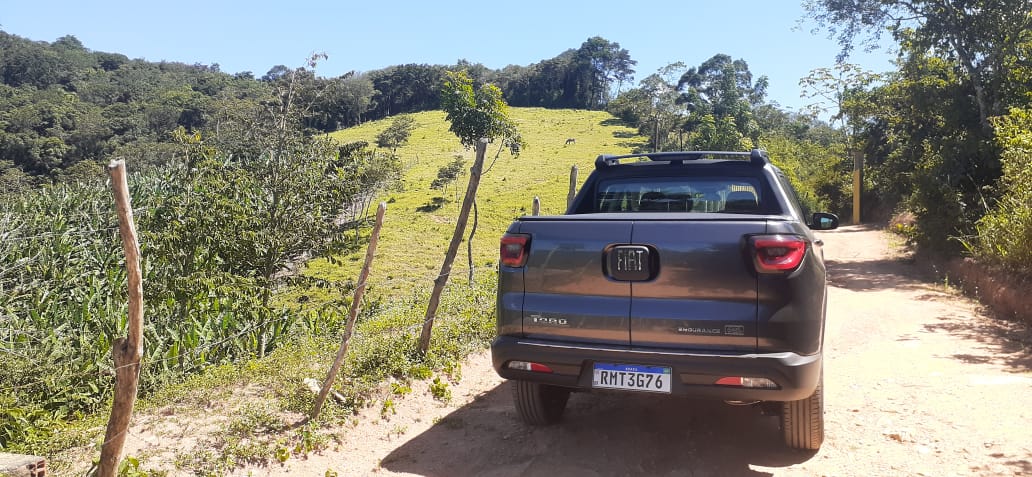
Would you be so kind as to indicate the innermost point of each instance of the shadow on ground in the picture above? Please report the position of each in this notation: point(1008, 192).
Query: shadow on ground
point(601, 434)
point(1000, 342)
point(432, 205)
point(880, 274)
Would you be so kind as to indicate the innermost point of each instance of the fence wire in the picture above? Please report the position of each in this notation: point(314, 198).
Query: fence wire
point(400, 306)
point(12, 236)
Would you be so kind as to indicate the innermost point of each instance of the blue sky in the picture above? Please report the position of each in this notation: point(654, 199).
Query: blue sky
point(367, 35)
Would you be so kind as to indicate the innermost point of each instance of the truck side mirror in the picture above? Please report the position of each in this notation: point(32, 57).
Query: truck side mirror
point(824, 221)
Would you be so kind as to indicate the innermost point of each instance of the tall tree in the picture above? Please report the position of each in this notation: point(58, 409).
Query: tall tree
point(606, 63)
point(343, 102)
point(406, 88)
point(924, 147)
point(653, 106)
point(983, 36)
point(723, 84)
point(719, 95)
point(832, 88)
point(477, 116)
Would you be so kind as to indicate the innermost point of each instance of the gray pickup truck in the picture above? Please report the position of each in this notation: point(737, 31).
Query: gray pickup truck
point(687, 273)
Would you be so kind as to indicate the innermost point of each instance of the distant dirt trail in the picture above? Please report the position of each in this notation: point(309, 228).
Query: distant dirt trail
point(918, 382)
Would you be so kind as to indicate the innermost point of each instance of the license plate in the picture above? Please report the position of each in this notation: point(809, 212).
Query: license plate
point(632, 377)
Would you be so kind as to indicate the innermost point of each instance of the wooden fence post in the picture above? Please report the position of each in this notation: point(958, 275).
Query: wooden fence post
point(453, 247)
point(126, 352)
point(573, 187)
point(535, 208)
point(356, 304)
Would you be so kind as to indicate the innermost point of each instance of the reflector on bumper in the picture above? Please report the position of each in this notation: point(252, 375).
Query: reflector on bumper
point(528, 366)
point(741, 381)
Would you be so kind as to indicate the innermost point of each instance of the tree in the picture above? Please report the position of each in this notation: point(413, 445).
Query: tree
point(724, 82)
point(830, 87)
point(836, 85)
point(543, 84)
point(1005, 232)
point(653, 106)
point(354, 98)
point(264, 205)
point(983, 36)
point(405, 89)
point(69, 42)
point(576, 78)
point(397, 133)
point(924, 148)
point(448, 173)
point(342, 102)
point(719, 95)
point(477, 116)
point(276, 73)
point(605, 62)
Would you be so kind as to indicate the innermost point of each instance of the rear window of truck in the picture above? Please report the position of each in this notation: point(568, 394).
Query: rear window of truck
point(700, 194)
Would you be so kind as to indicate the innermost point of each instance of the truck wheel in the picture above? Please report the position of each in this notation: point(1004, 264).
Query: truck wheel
point(539, 404)
point(802, 421)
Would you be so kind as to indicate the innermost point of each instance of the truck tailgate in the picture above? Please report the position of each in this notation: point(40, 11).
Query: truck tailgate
point(567, 296)
point(704, 295)
point(699, 292)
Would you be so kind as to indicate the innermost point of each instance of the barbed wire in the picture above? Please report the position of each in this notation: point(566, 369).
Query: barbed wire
point(66, 233)
point(147, 363)
point(78, 213)
point(22, 356)
point(10, 236)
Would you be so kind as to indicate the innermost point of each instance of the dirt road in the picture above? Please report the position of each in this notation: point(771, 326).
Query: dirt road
point(918, 382)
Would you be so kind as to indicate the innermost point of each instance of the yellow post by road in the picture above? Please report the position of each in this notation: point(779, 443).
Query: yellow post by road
point(858, 184)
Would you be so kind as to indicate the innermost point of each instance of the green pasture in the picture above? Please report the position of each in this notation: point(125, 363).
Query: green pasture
point(420, 221)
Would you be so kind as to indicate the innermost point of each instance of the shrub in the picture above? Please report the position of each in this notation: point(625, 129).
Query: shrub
point(213, 239)
point(1005, 233)
point(397, 134)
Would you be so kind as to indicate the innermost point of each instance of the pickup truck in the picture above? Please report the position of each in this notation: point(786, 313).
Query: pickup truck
point(685, 273)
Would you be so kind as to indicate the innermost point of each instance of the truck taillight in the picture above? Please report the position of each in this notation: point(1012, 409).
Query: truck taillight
point(777, 253)
point(514, 250)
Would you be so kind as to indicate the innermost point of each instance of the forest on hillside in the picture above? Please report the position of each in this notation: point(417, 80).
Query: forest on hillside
point(65, 108)
point(235, 181)
point(941, 136)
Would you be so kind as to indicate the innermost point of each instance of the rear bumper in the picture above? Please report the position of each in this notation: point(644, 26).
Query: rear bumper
point(694, 371)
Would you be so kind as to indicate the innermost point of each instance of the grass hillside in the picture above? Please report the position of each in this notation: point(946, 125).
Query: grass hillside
point(420, 220)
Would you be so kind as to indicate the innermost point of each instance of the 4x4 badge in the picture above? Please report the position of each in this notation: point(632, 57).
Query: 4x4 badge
point(734, 330)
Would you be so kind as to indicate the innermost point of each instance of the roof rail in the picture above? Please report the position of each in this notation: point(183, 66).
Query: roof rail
point(757, 157)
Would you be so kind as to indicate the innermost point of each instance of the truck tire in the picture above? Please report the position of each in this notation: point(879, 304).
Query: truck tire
point(539, 404)
point(802, 421)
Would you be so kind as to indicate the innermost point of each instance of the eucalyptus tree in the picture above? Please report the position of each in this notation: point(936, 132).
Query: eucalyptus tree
point(605, 63)
point(653, 106)
point(719, 95)
point(405, 89)
point(355, 97)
